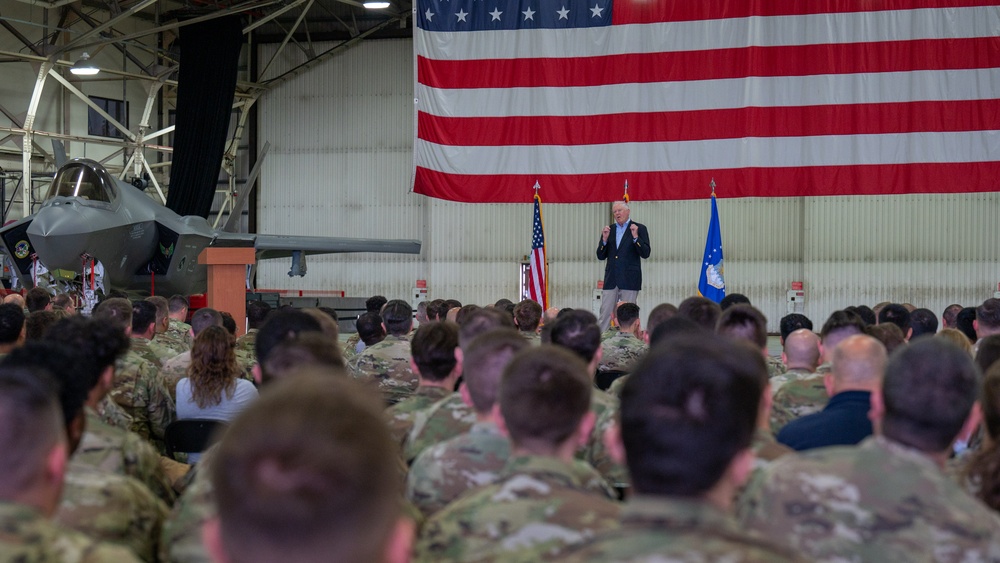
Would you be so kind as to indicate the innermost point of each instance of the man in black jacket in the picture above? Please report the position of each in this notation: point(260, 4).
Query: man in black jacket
point(623, 244)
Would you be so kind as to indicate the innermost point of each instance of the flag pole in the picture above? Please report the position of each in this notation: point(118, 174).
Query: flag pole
point(625, 197)
point(712, 185)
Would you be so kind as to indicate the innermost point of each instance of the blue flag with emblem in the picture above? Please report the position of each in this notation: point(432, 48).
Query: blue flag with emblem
point(711, 281)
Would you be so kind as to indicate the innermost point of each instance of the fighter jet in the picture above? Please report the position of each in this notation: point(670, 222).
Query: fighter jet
point(90, 216)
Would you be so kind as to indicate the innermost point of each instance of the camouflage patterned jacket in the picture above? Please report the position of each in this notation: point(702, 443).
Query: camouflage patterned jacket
point(775, 366)
point(141, 346)
point(621, 352)
point(678, 530)
point(792, 374)
point(533, 338)
point(112, 414)
point(444, 471)
point(537, 510)
point(246, 346)
point(26, 535)
point(595, 453)
point(139, 391)
point(112, 508)
point(387, 363)
point(177, 336)
point(113, 450)
point(351, 346)
point(444, 420)
point(797, 398)
point(401, 415)
point(181, 538)
point(878, 501)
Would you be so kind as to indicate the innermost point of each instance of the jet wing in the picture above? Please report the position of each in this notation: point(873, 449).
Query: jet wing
point(281, 246)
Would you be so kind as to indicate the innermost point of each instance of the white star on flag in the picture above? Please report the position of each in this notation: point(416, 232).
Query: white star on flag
point(563, 14)
point(596, 10)
point(429, 14)
point(529, 14)
point(461, 15)
point(496, 15)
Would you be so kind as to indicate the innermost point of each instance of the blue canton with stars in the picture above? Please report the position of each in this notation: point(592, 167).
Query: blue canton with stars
point(537, 235)
point(483, 15)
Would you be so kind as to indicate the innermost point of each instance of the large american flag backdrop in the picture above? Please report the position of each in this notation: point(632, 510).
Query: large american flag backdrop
point(769, 97)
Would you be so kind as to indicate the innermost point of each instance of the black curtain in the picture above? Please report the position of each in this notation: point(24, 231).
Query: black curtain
point(210, 53)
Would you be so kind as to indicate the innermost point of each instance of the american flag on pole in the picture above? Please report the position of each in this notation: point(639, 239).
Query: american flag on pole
point(538, 283)
point(769, 97)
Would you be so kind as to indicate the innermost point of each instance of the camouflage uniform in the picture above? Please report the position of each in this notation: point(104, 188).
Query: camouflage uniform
point(181, 539)
point(177, 336)
point(615, 389)
point(621, 352)
point(775, 366)
point(351, 346)
point(533, 338)
point(678, 530)
point(112, 414)
point(401, 415)
point(878, 501)
point(444, 420)
point(798, 398)
point(536, 510)
point(27, 536)
point(141, 346)
point(441, 473)
point(246, 346)
point(611, 331)
point(793, 374)
point(113, 450)
point(112, 508)
point(595, 453)
point(388, 364)
point(138, 389)
point(162, 352)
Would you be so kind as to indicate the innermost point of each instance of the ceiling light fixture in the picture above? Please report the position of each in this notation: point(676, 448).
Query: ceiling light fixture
point(84, 67)
point(376, 5)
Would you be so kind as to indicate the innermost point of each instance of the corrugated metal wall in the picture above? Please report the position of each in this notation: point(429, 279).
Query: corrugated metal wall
point(340, 166)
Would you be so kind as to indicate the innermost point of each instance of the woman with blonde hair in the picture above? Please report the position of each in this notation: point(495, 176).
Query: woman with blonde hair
point(213, 388)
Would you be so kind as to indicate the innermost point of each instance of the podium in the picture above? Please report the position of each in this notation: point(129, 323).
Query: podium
point(227, 279)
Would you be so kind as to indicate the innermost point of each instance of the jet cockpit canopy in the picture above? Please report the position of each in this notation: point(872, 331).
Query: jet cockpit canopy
point(84, 179)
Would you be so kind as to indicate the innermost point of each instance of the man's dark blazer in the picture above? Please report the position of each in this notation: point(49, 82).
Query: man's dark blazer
point(624, 269)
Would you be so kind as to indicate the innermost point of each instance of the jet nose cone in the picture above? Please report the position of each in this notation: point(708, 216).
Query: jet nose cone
point(57, 232)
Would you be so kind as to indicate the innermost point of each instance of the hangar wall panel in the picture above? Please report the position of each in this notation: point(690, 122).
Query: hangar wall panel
point(340, 165)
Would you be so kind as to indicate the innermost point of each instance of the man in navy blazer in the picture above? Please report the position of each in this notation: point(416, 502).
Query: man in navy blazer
point(623, 244)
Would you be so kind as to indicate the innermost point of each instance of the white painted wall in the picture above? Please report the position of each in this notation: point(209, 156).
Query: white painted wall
point(340, 165)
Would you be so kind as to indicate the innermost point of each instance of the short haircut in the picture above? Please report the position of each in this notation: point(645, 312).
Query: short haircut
point(528, 314)
point(204, 318)
point(308, 349)
point(162, 307)
point(964, 322)
point(30, 426)
point(744, 322)
point(452, 304)
point(928, 391)
point(627, 313)
point(38, 322)
point(397, 316)
point(465, 311)
point(307, 474)
point(481, 321)
point(674, 326)
point(950, 315)
point(326, 323)
point(62, 301)
point(143, 315)
point(501, 303)
point(956, 337)
point(70, 368)
point(688, 392)
point(792, 322)
point(888, 334)
point(257, 311)
point(544, 394)
point(988, 314)
point(103, 342)
point(485, 359)
point(923, 321)
point(369, 327)
point(11, 323)
point(733, 299)
point(433, 349)
point(281, 325)
point(660, 313)
point(802, 347)
point(704, 312)
point(988, 352)
point(228, 322)
point(375, 303)
point(896, 314)
point(859, 361)
point(115, 311)
point(330, 312)
point(867, 314)
point(839, 326)
point(179, 303)
point(37, 299)
point(436, 309)
point(578, 332)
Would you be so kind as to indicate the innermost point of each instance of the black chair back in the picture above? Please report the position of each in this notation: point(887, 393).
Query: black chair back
point(193, 435)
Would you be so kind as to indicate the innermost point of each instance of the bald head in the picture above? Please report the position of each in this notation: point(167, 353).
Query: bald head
point(801, 350)
point(858, 363)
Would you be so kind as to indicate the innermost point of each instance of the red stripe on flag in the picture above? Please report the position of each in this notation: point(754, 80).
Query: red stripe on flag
point(859, 119)
point(713, 64)
point(946, 177)
point(639, 11)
